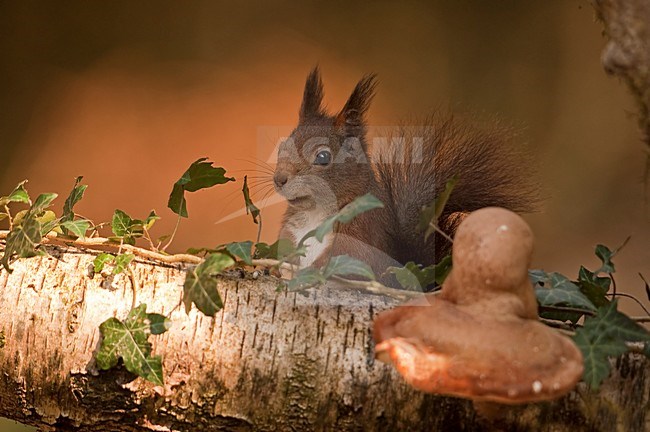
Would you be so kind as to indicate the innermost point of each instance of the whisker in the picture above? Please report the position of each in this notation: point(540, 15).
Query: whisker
point(263, 190)
point(263, 166)
point(260, 183)
point(254, 170)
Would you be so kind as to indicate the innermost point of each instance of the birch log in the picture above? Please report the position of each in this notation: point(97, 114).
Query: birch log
point(627, 52)
point(269, 361)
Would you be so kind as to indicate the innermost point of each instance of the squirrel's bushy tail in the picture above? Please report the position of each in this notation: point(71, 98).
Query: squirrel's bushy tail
point(489, 170)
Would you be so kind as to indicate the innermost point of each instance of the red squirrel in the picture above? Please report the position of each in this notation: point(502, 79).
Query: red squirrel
point(326, 163)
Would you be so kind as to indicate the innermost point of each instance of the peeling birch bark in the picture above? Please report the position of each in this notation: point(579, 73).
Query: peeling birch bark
point(268, 361)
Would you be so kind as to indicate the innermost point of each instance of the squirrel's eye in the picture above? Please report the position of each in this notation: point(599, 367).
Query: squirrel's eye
point(323, 157)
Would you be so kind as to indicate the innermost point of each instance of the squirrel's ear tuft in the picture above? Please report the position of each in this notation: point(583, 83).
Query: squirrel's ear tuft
point(355, 108)
point(312, 99)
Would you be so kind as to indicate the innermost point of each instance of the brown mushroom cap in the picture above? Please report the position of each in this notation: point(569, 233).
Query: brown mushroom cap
point(480, 338)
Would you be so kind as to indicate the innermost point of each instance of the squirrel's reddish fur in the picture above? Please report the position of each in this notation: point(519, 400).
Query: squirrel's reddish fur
point(405, 177)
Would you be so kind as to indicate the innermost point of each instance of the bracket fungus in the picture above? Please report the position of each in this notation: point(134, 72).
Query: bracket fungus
point(480, 337)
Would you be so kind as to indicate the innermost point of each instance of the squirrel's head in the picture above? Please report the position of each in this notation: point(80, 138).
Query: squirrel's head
point(324, 162)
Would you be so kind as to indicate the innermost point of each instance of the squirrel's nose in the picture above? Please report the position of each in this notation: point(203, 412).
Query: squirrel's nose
point(280, 179)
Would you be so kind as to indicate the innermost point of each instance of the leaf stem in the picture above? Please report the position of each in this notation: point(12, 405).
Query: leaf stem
point(171, 238)
point(259, 228)
point(101, 244)
point(9, 218)
point(635, 299)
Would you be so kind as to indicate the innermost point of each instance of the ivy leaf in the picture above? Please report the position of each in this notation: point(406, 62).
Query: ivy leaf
point(596, 352)
point(413, 277)
point(431, 213)
point(101, 260)
point(305, 278)
point(603, 336)
point(279, 250)
point(199, 175)
point(442, 269)
point(125, 228)
point(22, 241)
point(129, 340)
point(594, 287)
point(605, 255)
point(49, 222)
point(250, 207)
point(68, 213)
point(151, 219)
point(360, 205)
point(344, 265)
point(121, 261)
point(158, 324)
point(42, 202)
point(201, 288)
point(78, 228)
point(19, 195)
point(26, 233)
point(556, 290)
point(241, 250)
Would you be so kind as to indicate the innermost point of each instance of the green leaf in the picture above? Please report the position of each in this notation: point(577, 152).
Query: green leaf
point(594, 287)
point(125, 228)
point(305, 278)
point(22, 241)
point(68, 213)
point(250, 207)
point(101, 260)
point(78, 228)
point(151, 219)
point(442, 269)
point(605, 256)
point(121, 223)
point(129, 340)
point(241, 250)
point(49, 222)
point(557, 290)
point(177, 202)
point(19, 195)
point(279, 250)
point(596, 353)
point(431, 213)
point(413, 277)
point(344, 265)
point(121, 261)
point(27, 231)
point(603, 336)
point(42, 202)
point(360, 205)
point(158, 324)
point(199, 175)
point(201, 288)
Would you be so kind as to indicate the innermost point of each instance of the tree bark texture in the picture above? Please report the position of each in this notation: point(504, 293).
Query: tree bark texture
point(627, 53)
point(268, 361)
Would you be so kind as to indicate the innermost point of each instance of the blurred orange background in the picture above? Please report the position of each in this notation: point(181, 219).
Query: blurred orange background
point(128, 94)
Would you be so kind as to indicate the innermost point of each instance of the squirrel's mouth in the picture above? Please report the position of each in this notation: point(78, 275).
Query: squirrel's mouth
point(298, 200)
